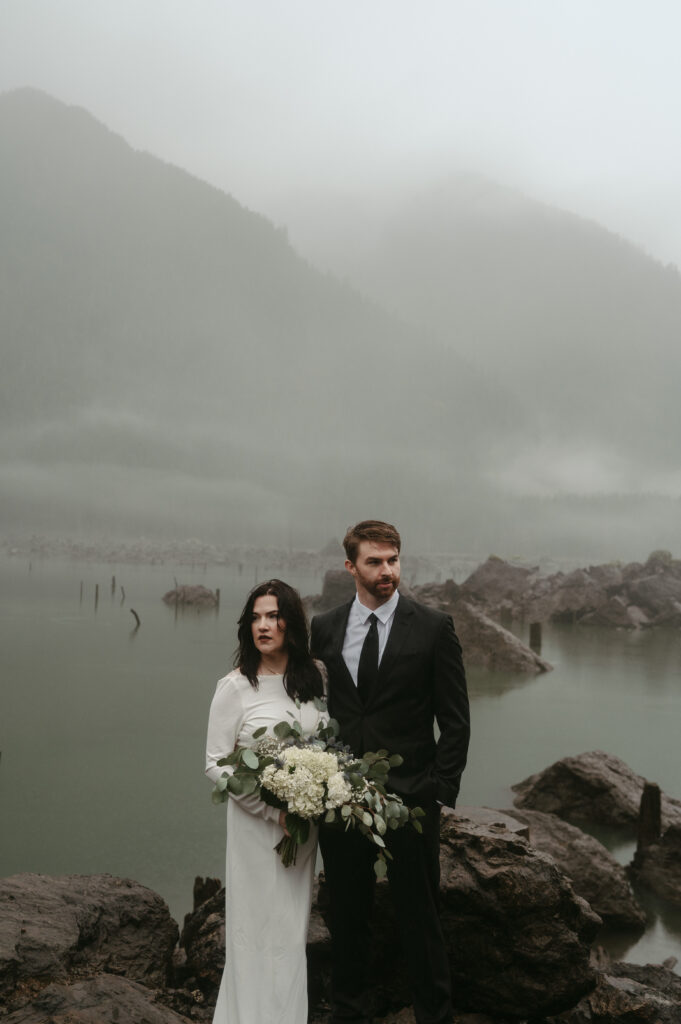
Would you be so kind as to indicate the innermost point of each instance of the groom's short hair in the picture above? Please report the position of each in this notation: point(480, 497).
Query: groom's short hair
point(374, 530)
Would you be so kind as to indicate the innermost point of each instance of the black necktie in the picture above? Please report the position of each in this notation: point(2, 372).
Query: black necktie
point(367, 670)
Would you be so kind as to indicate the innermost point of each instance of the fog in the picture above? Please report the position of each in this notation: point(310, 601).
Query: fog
point(480, 341)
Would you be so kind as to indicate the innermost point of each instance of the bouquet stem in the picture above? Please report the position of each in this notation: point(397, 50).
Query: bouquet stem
point(287, 848)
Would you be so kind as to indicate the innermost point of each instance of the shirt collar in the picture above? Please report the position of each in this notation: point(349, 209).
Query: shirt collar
point(383, 612)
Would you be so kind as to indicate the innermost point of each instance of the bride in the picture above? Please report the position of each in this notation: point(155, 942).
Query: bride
point(267, 906)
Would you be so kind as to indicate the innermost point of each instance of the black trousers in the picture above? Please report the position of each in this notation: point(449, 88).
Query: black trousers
point(414, 878)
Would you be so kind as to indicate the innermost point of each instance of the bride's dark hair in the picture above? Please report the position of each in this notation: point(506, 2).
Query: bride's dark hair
point(302, 678)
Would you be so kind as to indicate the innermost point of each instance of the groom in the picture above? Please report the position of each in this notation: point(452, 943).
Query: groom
point(394, 670)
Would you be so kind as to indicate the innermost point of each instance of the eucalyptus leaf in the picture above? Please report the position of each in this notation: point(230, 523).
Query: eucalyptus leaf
point(319, 704)
point(250, 758)
point(217, 797)
point(330, 816)
point(395, 760)
point(346, 811)
point(282, 730)
point(378, 839)
point(222, 782)
point(367, 819)
point(249, 785)
point(235, 785)
point(297, 728)
point(259, 732)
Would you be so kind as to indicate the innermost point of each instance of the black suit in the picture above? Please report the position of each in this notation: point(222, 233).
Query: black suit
point(420, 680)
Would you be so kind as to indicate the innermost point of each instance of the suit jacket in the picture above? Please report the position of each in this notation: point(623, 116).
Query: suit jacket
point(421, 680)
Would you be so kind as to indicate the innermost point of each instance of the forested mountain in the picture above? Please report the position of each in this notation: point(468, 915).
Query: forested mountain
point(171, 365)
point(170, 361)
point(579, 324)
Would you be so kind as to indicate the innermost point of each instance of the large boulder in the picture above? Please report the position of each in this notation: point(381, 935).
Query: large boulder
point(657, 594)
point(593, 871)
point(55, 929)
point(576, 595)
point(616, 612)
point(104, 999)
point(518, 936)
point(658, 865)
point(594, 786)
point(497, 584)
point(485, 643)
point(338, 588)
point(629, 994)
point(488, 645)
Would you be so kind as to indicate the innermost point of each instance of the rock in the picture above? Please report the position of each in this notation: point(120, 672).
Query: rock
point(496, 582)
point(616, 612)
point(658, 865)
point(658, 594)
point(575, 596)
point(203, 940)
point(518, 937)
point(629, 994)
point(488, 645)
point(105, 999)
point(594, 786)
point(485, 643)
point(59, 928)
point(338, 588)
point(595, 874)
point(193, 595)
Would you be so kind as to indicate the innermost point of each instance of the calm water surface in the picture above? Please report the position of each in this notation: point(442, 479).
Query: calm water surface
point(102, 729)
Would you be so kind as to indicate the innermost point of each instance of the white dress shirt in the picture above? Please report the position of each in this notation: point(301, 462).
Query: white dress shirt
point(358, 627)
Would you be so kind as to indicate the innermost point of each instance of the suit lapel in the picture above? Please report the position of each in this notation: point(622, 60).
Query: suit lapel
point(337, 639)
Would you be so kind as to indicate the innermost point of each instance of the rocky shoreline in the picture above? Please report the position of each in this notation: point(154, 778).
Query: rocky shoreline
point(524, 896)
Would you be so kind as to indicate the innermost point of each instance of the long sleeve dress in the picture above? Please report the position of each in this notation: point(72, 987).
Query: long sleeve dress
point(267, 906)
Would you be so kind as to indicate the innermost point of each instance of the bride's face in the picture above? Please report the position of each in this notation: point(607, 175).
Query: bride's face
point(269, 631)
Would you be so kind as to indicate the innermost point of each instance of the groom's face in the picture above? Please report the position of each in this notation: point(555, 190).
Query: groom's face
point(377, 572)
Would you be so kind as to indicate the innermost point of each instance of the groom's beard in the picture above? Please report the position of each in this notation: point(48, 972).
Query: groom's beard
point(383, 588)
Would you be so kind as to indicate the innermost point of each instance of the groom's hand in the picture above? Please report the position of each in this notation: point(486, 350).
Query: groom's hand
point(282, 822)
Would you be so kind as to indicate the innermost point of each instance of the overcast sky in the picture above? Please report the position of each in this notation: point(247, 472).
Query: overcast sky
point(576, 102)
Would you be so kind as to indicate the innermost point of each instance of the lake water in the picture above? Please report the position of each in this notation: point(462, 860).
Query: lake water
point(102, 728)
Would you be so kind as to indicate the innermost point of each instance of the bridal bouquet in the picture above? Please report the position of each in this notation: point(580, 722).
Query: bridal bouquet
point(313, 778)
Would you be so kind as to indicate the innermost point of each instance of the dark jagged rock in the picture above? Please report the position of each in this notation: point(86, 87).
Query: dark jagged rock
point(518, 936)
point(616, 612)
point(658, 865)
point(488, 645)
point(628, 597)
point(57, 928)
point(485, 643)
point(338, 588)
point(595, 787)
point(497, 583)
point(629, 994)
point(104, 999)
point(203, 941)
point(191, 595)
point(595, 874)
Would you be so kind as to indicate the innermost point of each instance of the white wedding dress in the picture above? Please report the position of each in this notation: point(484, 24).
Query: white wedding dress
point(267, 906)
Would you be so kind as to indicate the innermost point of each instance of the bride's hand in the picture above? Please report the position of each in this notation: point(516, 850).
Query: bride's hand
point(282, 822)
